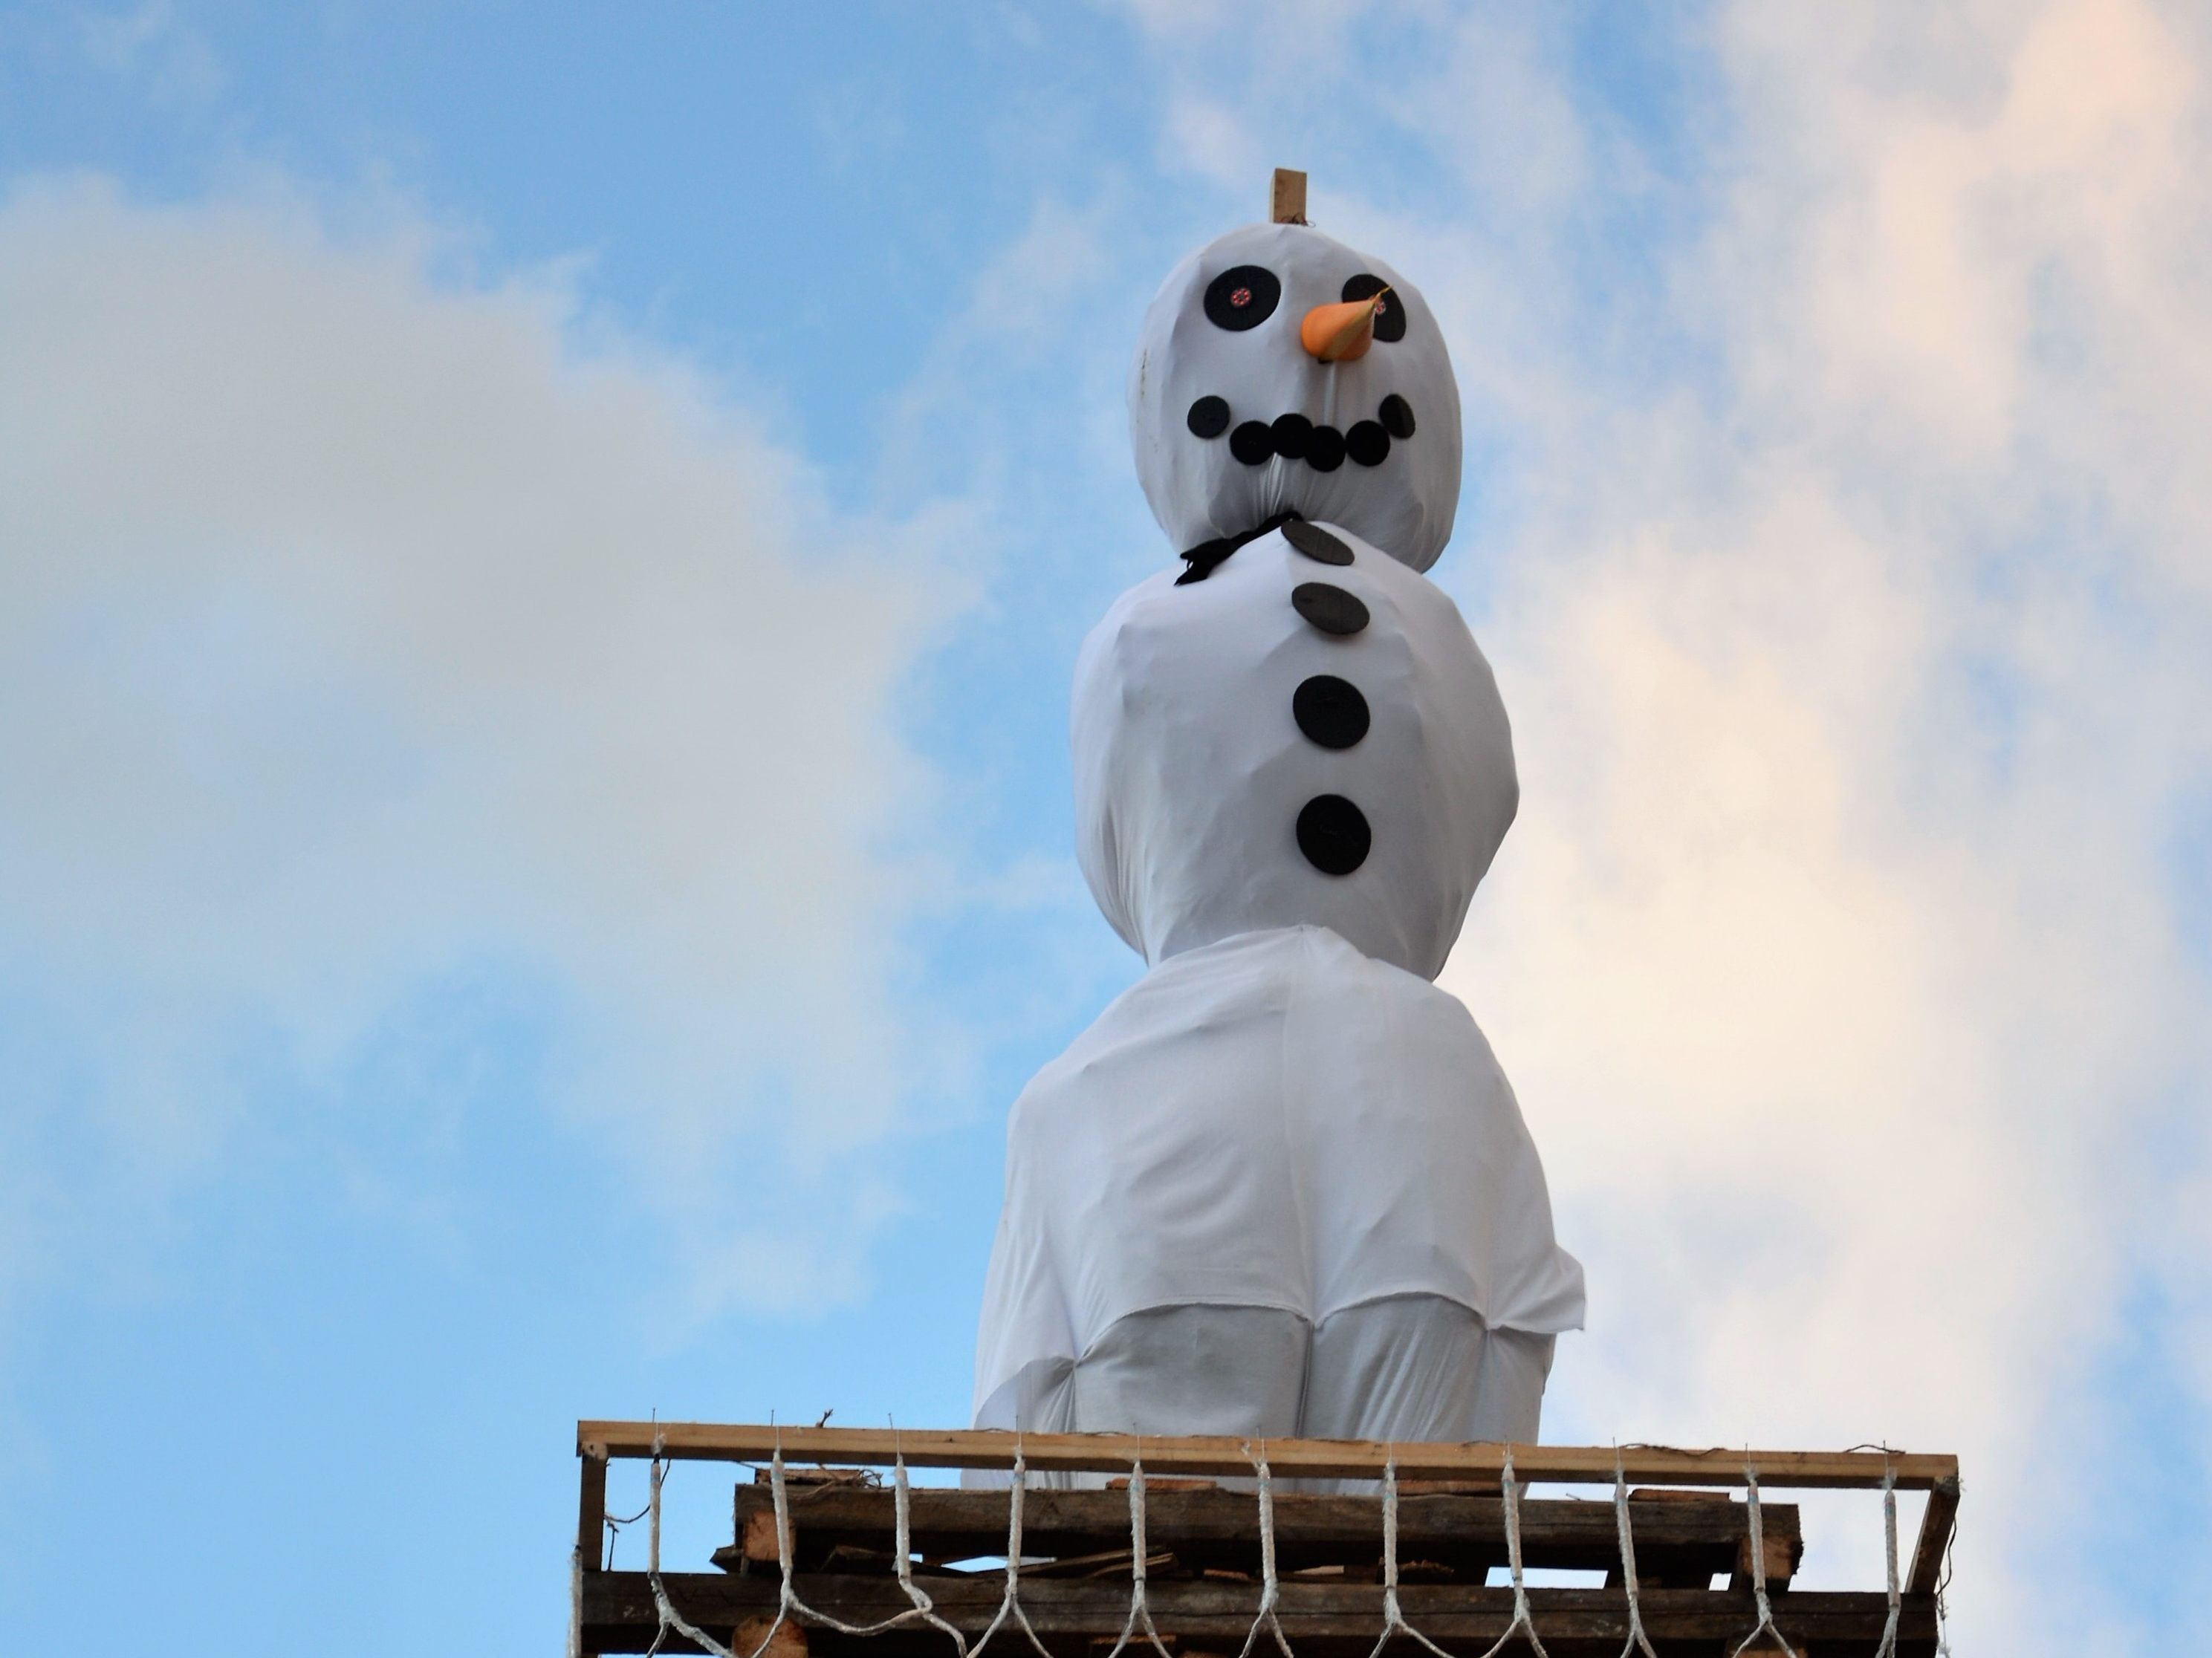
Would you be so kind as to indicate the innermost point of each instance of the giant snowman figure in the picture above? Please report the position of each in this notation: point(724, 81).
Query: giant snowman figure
point(1282, 1187)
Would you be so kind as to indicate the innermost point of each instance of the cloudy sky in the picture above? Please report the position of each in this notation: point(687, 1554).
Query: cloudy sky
point(540, 555)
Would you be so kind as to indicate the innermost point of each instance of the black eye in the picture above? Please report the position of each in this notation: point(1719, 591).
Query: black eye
point(1242, 297)
point(1390, 321)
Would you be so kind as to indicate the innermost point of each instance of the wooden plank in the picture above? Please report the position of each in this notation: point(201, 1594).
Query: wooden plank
point(1321, 1619)
point(592, 1512)
point(1286, 198)
point(1688, 1540)
point(1782, 1554)
point(1210, 1455)
point(1936, 1524)
point(756, 1539)
point(591, 1532)
point(769, 1637)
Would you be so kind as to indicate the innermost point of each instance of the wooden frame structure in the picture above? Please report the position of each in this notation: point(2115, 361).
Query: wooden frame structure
point(1202, 1544)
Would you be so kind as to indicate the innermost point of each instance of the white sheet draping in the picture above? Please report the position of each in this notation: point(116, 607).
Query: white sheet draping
point(1277, 1122)
point(1191, 770)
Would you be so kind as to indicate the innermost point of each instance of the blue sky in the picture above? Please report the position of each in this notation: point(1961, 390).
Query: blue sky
point(540, 554)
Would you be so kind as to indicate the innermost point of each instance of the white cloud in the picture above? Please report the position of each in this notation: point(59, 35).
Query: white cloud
point(1849, 576)
point(359, 628)
point(149, 45)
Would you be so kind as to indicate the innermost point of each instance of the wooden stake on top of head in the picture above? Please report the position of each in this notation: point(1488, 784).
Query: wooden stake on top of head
point(1287, 201)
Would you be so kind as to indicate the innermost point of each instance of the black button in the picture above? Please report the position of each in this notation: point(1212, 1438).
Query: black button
point(1397, 417)
point(1325, 449)
point(1316, 542)
point(1330, 609)
point(1289, 433)
point(1333, 833)
point(1368, 444)
point(1390, 321)
point(1330, 711)
point(1243, 298)
point(1208, 418)
point(1252, 443)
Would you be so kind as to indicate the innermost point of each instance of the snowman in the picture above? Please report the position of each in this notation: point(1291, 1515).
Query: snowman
point(1281, 1186)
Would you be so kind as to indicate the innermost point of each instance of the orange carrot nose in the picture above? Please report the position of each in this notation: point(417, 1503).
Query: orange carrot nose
point(1340, 333)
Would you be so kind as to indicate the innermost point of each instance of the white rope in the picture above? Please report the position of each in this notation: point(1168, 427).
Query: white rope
point(1270, 1588)
point(788, 1602)
point(903, 1529)
point(789, 1608)
point(1637, 1638)
point(1765, 1624)
point(1889, 1647)
point(1140, 1613)
point(663, 1609)
point(1393, 1620)
point(1521, 1619)
point(1010, 1605)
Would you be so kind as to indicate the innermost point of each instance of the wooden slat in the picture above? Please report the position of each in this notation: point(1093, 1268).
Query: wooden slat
point(592, 1512)
point(1208, 1454)
point(756, 1538)
point(1325, 1619)
point(1936, 1526)
point(1780, 1552)
point(1688, 1540)
point(1286, 196)
point(766, 1636)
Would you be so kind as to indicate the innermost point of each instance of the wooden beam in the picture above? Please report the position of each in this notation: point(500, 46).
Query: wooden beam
point(1325, 1619)
point(592, 1512)
point(1214, 1455)
point(591, 1536)
point(1936, 1524)
point(770, 1637)
point(1286, 199)
point(757, 1537)
point(1782, 1552)
point(1691, 1539)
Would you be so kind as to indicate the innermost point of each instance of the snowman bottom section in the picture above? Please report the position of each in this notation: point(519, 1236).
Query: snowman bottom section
point(1411, 1367)
point(1272, 1121)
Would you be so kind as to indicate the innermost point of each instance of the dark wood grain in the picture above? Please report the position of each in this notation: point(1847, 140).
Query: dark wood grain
point(1936, 1524)
point(1684, 1541)
point(1322, 1620)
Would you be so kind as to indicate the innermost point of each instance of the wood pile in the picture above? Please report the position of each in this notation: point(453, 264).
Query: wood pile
point(1203, 1571)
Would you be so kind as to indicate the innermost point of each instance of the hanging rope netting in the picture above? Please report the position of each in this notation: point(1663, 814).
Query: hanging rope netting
point(1267, 1621)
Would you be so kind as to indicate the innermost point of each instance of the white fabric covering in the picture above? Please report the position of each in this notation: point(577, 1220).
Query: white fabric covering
point(1190, 771)
point(1199, 490)
point(1282, 1185)
point(1272, 1121)
point(1408, 1367)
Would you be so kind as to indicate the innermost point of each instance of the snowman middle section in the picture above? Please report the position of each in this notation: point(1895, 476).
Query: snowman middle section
point(1282, 1185)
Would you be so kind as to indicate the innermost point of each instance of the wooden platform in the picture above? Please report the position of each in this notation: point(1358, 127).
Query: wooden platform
point(1693, 1548)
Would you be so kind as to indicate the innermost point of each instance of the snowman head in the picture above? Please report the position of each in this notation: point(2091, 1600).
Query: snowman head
point(1280, 371)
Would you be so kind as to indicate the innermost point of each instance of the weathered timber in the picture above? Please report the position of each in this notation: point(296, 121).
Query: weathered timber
point(1682, 1542)
point(592, 1513)
point(757, 1535)
point(1935, 1525)
point(1653, 1513)
point(762, 1636)
point(1218, 1455)
point(1326, 1620)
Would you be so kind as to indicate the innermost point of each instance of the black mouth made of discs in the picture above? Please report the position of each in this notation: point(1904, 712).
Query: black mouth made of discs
point(1294, 437)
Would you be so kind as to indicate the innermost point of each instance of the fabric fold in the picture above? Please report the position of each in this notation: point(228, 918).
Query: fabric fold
point(1275, 1120)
